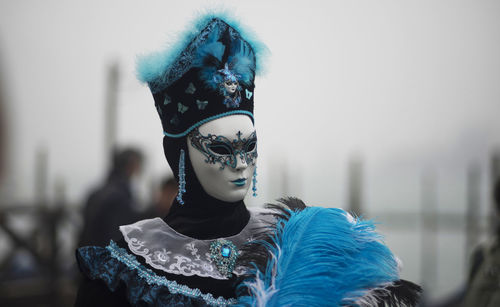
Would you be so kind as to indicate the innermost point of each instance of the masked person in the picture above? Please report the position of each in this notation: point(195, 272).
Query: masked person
point(202, 253)
point(483, 287)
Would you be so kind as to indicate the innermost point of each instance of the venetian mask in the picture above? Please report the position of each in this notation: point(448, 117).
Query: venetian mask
point(230, 86)
point(223, 153)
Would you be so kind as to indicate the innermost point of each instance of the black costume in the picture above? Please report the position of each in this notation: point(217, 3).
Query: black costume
point(204, 251)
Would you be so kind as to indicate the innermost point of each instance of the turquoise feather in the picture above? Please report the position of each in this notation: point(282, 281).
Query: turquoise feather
point(321, 257)
point(152, 67)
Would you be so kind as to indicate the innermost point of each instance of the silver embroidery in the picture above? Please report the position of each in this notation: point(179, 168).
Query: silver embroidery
point(162, 256)
point(165, 249)
point(194, 250)
point(190, 89)
point(151, 278)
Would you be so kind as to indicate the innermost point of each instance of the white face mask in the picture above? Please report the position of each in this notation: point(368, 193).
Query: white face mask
point(223, 153)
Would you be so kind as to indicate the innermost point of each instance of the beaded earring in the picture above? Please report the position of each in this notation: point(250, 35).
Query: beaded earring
point(254, 182)
point(182, 178)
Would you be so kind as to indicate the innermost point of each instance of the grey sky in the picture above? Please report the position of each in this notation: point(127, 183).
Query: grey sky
point(414, 81)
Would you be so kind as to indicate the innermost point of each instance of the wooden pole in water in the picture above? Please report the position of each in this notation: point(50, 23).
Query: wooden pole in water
point(110, 112)
point(41, 176)
point(355, 185)
point(473, 209)
point(429, 233)
point(494, 176)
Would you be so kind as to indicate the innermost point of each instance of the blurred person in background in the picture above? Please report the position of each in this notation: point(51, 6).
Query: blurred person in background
point(112, 204)
point(163, 198)
point(483, 287)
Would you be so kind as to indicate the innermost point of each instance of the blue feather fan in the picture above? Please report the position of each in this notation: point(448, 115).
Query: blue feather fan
point(322, 257)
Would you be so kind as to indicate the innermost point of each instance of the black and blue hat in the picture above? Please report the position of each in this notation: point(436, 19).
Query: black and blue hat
point(210, 74)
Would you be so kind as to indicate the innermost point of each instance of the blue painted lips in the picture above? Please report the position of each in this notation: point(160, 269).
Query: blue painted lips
point(239, 182)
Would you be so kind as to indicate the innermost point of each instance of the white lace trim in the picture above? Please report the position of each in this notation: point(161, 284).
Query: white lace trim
point(165, 249)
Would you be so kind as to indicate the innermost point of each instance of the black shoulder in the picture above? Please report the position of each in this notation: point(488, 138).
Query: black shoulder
point(96, 293)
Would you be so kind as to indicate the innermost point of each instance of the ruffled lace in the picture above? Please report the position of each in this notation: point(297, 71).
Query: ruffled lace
point(167, 250)
point(114, 265)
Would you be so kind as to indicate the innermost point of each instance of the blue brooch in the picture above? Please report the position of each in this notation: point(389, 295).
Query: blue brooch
point(224, 253)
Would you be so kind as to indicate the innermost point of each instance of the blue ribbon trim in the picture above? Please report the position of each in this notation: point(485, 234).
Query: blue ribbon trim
point(130, 261)
point(114, 265)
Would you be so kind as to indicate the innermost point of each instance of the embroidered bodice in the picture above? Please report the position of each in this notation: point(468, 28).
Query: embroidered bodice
point(337, 259)
point(163, 249)
point(167, 250)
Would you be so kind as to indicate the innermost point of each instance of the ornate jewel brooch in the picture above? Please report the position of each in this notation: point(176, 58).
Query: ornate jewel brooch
point(224, 253)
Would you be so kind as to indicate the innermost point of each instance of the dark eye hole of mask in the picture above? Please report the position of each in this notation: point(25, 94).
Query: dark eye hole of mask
point(251, 145)
point(220, 148)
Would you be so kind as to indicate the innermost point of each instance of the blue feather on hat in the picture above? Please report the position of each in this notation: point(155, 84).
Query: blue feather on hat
point(154, 68)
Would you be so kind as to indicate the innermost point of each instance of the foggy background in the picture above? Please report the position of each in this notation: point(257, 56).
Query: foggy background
point(390, 106)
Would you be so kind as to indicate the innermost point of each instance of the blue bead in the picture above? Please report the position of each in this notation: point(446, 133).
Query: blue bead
point(225, 251)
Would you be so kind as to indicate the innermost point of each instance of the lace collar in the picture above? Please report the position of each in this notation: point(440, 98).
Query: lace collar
point(167, 250)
